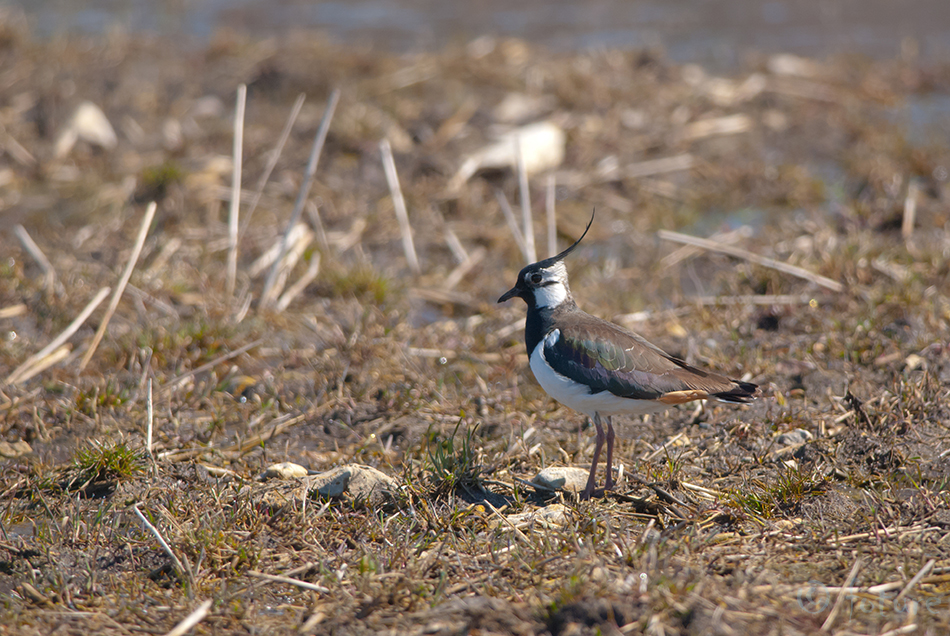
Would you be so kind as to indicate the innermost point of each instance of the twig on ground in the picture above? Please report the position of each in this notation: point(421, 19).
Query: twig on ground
point(272, 163)
point(209, 365)
point(455, 245)
point(313, 211)
point(457, 274)
point(13, 311)
point(45, 362)
point(924, 571)
point(267, 296)
point(237, 163)
point(19, 373)
point(304, 585)
point(120, 287)
point(301, 284)
point(764, 299)
point(737, 252)
point(191, 620)
point(283, 423)
point(663, 447)
point(49, 274)
point(178, 563)
point(826, 626)
point(399, 205)
point(298, 246)
point(688, 251)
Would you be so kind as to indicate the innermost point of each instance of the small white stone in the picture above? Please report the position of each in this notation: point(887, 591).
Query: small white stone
point(793, 437)
point(561, 478)
point(89, 124)
point(541, 145)
point(284, 470)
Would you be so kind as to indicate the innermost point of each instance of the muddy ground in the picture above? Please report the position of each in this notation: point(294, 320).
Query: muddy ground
point(822, 505)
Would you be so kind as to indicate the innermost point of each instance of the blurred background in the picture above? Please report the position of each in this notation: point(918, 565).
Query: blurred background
point(716, 34)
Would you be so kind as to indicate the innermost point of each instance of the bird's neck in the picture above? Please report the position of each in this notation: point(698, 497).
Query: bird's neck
point(540, 321)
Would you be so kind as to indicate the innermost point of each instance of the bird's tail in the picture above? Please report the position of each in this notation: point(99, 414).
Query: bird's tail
point(740, 393)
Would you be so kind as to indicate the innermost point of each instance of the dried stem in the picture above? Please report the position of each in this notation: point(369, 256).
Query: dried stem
point(191, 620)
point(738, 252)
point(150, 421)
point(301, 284)
point(272, 163)
point(924, 571)
point(910, 210)
point(167, 548)
point(826, 626)
point(49, 274)
point(267, 296)
point(120, 288)
point(211, 365)
point(399, 205)
point(20, 372)
point(304, 585)
point(236, 188)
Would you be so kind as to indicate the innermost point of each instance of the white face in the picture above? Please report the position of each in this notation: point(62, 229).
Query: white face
point(552, 289)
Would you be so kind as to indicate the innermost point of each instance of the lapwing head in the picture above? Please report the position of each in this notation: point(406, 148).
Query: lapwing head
point(544, 284)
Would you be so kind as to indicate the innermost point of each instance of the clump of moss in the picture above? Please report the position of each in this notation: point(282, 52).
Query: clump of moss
point(361, 281)
point(109, 461)
point(156, 180)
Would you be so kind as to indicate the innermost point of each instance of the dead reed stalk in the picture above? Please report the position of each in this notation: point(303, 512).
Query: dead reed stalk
point(123, 281)
point(267, 295)
point(237, 162)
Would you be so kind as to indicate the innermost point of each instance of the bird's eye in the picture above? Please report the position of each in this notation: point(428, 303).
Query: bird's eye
point(535, 278)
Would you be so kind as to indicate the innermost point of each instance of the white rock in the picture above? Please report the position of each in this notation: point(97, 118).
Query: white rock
point(541, 145)
point(793, 437)
point(561, 478)
point(284, 470)
point(89, 124)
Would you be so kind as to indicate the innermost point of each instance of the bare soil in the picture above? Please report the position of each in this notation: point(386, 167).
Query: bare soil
point(726, 520)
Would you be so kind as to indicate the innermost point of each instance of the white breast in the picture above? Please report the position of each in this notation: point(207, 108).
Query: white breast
point(578, 396)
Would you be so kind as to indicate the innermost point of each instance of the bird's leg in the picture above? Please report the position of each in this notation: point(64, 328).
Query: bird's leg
point(598, 444)
point(609, 484)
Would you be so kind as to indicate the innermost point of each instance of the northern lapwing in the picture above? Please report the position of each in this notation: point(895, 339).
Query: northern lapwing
point(601, 369)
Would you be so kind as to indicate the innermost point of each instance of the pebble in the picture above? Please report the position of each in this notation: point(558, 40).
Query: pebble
point(541, 144)
point(793, 437)
point(89, 124)
point(284, 470)
point(16, 449)
point(561, 478)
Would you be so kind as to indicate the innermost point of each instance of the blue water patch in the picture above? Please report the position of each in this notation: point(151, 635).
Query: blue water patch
point(925, 118)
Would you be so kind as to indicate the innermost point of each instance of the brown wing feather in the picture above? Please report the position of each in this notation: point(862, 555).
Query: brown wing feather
point(646, 366)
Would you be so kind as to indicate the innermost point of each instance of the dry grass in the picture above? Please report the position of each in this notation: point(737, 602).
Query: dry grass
point(720, 526)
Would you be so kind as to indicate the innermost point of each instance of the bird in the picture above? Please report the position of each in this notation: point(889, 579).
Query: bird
point(599, 368)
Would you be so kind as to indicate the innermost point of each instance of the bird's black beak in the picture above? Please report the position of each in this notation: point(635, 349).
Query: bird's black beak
point(511, 293)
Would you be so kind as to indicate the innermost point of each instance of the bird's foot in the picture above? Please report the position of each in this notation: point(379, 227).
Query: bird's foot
point(592, 492)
